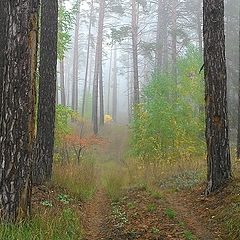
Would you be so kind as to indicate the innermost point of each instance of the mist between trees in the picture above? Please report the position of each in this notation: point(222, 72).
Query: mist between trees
point(71, 70)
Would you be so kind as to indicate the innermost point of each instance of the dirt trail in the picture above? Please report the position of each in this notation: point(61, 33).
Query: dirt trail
point(96, 213)
point(98, 223)
point(188, 214)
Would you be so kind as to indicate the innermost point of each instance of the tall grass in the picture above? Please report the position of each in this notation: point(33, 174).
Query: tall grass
point(51, 226)
point(183, 173)
point(114, 179)
point(78, 180)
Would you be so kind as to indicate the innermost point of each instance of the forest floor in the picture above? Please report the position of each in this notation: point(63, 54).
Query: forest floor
point(145, 213)
point(172, 207)
point(140, 214)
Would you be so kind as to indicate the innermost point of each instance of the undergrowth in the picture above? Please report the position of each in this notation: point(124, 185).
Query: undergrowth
point(78, 180)
point(63, 225)
point(114, 181)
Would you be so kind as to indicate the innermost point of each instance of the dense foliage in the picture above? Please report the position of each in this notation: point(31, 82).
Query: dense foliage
point(169, 124)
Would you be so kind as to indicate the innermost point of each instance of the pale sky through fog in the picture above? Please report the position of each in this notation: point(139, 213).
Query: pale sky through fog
point(68, 4)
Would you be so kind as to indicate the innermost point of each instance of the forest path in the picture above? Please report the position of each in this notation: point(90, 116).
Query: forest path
point(139, 215)
point(96, 214)
point(188, 211)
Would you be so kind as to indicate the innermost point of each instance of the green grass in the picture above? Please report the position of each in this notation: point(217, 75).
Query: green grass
point(152, 207)
point(65, 225)
point(131, 205)
point(188, 235)
point(155, 192)
point(229, 215)
point(113, 185)
point(170, 213)
point(78, 180)
point(113, 181)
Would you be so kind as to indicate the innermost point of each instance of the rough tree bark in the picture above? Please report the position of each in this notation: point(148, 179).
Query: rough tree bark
point(218, 152)
point(43, 150)
point(135, 52)
point(97, 69)
point(18, 44)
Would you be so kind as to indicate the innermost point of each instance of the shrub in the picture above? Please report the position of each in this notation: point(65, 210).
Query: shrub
point(169, 124)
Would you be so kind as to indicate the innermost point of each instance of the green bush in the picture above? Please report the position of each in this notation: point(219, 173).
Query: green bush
point(169, 124)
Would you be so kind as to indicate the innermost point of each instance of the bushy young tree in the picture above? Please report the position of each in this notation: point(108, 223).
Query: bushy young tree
point(166, 126)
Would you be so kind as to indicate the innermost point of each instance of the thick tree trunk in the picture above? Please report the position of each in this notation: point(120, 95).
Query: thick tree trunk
point(115, 87)
point(43, 152)
point(98, 63)
point(75, 61)
point(135, 52)
point(218, 152)
point(87, 65)
point(18, 43)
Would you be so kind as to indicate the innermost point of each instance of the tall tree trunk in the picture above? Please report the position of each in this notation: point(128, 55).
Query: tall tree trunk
point(135, 51)
point(87, 65)
point(238, 130)
point(109, 82)
point(115, 87)
point(174, 40)
point(129, 90)
point(62, 82)
point(159, 39)
point(199, 27)
point(18, 43)
point(43, 152)
point(68, 86)
point(101, 95)
point(165, 36)
point(98, 63)
point(218, 152)
point(75, 61)
point(61, 65)
point(91, 64)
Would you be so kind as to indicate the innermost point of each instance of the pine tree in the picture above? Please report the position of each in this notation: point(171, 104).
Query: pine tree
point(218, 152)
point(17, 91)
point(43, 151)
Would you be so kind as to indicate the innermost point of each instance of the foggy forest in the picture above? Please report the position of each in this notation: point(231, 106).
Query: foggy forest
point(119, 120)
